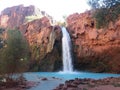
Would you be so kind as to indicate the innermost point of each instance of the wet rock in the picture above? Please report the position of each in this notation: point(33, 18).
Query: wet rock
point(44, 79)
point(45, 43)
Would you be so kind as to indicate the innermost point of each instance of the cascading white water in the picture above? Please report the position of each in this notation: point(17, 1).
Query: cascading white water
point(66, 51)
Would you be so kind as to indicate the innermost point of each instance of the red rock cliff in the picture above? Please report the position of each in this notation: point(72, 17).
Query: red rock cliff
point(14, 16)
point(44, 41)
point(96, 49)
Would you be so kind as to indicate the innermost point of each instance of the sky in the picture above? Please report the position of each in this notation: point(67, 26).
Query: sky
point(56, 8)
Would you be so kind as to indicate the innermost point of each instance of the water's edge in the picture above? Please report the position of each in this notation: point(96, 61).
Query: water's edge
point(56, 78)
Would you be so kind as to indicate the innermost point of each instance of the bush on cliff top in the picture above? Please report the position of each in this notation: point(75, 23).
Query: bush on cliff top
point(106, 11)
point(32, 17)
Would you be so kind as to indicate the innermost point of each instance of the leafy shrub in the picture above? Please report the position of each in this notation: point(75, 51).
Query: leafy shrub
point(14, 57)
point(100, 17)
point(106, 11)
point(2, 42)
point(33, 17)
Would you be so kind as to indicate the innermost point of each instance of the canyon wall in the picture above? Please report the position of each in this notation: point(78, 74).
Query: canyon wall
point(45, 44)
point(44, 39)
point(94, 49)
point(14, 16)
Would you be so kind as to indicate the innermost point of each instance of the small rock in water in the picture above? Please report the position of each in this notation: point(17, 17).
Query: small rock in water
point(44, 79)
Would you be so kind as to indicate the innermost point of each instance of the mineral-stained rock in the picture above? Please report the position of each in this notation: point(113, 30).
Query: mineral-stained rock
point(94, 49)
point(44, 41)
point(43, 38)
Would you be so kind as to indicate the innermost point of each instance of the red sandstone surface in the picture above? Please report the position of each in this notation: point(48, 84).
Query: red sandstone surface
point(94, 43)
point(15, 16)
point(44, 41)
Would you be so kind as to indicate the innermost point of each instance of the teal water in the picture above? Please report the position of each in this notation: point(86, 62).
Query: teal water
point(60, 77)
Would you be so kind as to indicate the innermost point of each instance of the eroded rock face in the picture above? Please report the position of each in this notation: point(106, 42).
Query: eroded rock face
point(44, 40)
point(14, 16)
point(45, 43)
point(95, 49)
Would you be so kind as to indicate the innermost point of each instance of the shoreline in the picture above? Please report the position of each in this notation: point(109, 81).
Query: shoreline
point(110, 83)
point(26, 85)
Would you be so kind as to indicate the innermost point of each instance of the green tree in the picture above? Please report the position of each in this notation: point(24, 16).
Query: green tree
point(103, 3)
point(1, 38)
point(105, 11)
point(14, 56)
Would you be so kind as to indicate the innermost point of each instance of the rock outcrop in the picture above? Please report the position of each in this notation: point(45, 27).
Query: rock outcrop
point(45, 43)
point(43, 38)
point(14, 16)
point(94, 49)
point(91, 84)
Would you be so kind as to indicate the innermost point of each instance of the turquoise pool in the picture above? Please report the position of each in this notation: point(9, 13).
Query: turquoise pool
point(55, 78)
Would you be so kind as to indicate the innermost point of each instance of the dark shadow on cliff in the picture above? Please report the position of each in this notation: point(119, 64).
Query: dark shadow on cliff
point(48, 61)
point(53, 60)
point(106, 61)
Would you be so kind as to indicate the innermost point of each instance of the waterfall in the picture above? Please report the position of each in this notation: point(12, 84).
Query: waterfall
point(66, 51)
